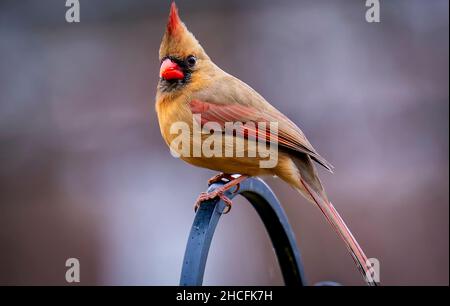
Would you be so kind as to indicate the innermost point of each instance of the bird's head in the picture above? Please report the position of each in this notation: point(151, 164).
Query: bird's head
point(180, 54)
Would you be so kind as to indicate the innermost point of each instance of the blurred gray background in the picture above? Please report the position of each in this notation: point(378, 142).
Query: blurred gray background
point(85, 173)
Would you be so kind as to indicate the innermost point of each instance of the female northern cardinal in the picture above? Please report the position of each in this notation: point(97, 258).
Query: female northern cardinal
point(191, 84)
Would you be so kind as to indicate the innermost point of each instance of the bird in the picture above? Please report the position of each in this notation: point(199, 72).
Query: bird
point(193, 90)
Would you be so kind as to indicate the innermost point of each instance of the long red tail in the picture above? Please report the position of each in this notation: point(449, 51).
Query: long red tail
point(341, 228)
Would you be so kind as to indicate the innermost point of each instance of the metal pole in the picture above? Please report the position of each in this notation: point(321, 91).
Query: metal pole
point(271, 213)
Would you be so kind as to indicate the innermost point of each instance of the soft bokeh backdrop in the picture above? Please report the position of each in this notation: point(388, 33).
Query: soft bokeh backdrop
point(84, 172)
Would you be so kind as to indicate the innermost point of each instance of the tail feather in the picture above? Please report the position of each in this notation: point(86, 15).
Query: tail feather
point(312, 189)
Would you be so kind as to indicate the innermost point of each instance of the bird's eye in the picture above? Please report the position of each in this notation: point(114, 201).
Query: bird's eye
point(191, 60)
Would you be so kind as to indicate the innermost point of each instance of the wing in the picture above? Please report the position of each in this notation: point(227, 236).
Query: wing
point(289, 137)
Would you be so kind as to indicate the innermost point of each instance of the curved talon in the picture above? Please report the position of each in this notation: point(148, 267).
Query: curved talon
point(226, 200)
point(227, 209)
point(238, 186)
point(202, 197)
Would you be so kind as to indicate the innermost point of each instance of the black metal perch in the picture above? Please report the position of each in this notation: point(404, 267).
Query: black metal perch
point(272, 214)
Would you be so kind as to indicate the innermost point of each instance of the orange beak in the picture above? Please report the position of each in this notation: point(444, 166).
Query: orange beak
point(170, 71)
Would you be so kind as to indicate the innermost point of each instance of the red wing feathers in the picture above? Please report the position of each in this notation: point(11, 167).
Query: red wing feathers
point(289, 135)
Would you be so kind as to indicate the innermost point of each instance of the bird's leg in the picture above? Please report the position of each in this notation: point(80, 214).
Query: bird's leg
point(220, 193)
point(219, 177)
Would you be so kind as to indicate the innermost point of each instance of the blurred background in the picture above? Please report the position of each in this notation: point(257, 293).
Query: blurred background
point(85, 173)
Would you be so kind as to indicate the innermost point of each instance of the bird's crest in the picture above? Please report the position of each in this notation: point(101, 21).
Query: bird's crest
point(174, 21)
point(177, 40)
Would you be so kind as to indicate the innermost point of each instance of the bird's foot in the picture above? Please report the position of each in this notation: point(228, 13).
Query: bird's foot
point(219, 177)
point(220, 193)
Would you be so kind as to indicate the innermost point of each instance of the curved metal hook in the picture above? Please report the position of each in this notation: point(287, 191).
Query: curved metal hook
point(272, 214)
